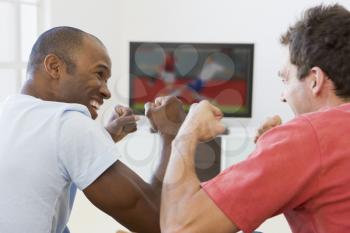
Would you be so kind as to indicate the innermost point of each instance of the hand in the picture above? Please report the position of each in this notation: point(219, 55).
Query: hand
point(165, 115)
point(122, 122)
point(269, 123)
point(202, 121)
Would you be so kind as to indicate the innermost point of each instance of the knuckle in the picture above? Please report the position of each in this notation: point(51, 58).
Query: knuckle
point(129, 111)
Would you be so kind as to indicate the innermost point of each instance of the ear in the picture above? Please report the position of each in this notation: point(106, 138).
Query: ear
point(53, 65)
point(318, 80)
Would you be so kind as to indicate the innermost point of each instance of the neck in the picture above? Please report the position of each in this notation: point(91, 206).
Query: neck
point(332, 101)
point(330, 98)
point(37, 89)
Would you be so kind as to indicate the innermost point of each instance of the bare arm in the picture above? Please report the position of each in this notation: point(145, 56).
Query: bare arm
point(185, 206)
point(121, 193)
point(165, 115)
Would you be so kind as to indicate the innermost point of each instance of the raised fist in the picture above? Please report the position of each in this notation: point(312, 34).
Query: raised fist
point(165, 115)
point(202, 122)
point(122, 122)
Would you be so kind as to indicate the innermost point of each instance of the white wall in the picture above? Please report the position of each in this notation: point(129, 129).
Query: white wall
point(116, 22)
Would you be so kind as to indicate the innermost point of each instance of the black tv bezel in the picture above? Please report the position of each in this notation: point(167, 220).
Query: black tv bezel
point(250, 46)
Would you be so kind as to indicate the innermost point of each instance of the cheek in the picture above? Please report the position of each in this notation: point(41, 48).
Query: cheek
point(89, 85)
point(291, 91)
point(291, 95)
point(298, 99)
point(94, 83)
point(287, 93)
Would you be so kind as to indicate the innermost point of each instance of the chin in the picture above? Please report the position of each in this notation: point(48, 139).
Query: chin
point(93, 114)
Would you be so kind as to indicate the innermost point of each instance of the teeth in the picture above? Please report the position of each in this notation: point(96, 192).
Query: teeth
point(95, 104)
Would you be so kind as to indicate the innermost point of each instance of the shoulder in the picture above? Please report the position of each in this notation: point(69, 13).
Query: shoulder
point(74, 122)
point(29, 105)
point(330, 117)
point(300, 128)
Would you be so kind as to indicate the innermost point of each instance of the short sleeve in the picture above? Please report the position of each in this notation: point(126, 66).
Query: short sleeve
point(282, 173)
point(85, 149)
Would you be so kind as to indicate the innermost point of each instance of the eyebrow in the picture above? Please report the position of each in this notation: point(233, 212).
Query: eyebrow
point(103, 66)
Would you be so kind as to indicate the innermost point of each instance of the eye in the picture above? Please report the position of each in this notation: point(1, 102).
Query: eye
point(100, 74)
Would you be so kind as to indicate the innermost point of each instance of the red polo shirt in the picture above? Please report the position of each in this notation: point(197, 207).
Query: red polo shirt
point(301, 169)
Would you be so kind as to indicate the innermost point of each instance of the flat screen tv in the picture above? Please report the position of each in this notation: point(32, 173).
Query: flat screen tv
point(220, 73)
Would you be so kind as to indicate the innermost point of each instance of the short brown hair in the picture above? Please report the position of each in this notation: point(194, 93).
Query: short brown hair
point(322, 38)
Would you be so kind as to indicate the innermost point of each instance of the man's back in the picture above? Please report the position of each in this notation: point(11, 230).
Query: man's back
point(328, 209)
point(27, 155)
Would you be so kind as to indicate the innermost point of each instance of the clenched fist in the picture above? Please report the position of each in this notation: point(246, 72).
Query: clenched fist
point(165, 115)
point(203, 122)
point(269, 123)
point(122, 122)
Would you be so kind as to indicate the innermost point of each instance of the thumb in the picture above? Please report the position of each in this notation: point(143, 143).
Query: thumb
point(148, 107)
point(127, 120)
point(219, 127)
point(217, 112)
point(121, 112)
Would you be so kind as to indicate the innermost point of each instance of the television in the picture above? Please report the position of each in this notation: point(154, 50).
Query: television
point(219, 73)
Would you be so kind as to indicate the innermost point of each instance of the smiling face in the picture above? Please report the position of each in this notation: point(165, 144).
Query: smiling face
point(87, 84)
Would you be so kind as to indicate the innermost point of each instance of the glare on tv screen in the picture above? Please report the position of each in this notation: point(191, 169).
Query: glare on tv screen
point(219, 73)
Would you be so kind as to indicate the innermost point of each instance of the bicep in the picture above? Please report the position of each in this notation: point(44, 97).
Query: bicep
point(122, 194)
point(202, 215)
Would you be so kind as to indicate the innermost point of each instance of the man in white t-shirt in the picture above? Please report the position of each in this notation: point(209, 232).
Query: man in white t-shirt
point(50, 145)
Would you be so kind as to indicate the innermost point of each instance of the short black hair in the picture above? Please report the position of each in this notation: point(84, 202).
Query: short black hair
point(62, 41)
point(322, 38)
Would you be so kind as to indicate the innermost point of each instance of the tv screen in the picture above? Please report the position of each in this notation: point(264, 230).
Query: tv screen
point(220, 73)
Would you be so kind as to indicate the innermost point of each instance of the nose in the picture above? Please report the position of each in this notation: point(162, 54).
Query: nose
point(104, 91)
point(282, 98)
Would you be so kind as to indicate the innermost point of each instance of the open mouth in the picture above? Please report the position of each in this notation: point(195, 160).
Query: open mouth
point(95, 106)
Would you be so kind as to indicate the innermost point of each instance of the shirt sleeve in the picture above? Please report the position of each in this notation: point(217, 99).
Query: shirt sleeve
point(282, 173)
point(85, 149)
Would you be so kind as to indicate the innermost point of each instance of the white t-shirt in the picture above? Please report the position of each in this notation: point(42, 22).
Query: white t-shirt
point(47, 149)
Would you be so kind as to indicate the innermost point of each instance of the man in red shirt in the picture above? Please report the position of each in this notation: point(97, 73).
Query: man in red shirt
point(300, 168)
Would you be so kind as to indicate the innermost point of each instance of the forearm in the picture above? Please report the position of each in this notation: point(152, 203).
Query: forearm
point(181, 184)
point(158, 175)
point(150, 195)
point(181, 173)
point(186, 207)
